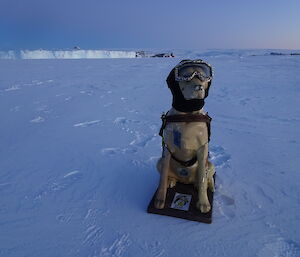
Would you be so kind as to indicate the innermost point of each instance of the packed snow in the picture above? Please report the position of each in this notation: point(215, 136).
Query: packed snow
point(79, 145)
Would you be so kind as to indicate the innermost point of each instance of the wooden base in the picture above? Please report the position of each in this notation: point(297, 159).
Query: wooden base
point(181, 203)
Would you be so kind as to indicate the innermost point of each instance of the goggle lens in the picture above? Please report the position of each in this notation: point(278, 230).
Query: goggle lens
point(188, 72)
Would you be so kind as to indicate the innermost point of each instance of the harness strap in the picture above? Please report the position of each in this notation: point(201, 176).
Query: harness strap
point(188, 163)
point(184, 118)
point(164, 123)
point(188, 118)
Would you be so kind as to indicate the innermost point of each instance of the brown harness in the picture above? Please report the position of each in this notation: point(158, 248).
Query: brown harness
point(184, 118)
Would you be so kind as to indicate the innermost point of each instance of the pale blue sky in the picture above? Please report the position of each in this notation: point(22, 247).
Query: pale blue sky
point(149, 24)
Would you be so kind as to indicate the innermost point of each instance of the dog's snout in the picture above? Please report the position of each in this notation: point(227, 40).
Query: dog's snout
point(197, 87)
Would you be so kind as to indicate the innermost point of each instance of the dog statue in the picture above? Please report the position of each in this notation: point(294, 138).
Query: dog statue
point(185, 134)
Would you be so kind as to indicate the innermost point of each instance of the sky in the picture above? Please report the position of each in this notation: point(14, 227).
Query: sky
point(139, 24)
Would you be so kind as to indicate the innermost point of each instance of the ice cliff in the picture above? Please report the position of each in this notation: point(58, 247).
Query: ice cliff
point(65, 54)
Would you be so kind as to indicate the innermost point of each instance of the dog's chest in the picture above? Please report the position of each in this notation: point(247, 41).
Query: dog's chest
point(185, 136)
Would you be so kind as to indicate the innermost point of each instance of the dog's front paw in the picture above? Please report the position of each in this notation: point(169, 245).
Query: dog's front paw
point(171, 182)
point(160, 198)
point(203, 206)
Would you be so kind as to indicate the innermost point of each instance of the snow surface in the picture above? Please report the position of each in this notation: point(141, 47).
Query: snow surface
point(79, 144)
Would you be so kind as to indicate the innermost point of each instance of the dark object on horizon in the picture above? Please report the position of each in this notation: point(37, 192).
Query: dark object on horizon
point(140, 54)
point(164, 55)
point(76, 48)
point(274, 53)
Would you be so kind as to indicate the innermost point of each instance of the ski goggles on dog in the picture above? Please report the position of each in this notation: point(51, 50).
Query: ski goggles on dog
point(186, 70)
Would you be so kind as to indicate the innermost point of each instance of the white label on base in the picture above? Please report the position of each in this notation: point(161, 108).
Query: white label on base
point(181, 202)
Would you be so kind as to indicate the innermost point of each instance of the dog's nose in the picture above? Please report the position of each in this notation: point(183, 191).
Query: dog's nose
point(198, 87)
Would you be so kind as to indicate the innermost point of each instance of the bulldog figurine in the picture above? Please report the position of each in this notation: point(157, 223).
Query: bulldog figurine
point(185, 134)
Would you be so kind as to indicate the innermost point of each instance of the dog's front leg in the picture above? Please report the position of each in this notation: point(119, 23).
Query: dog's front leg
point(203, 204)
point(160, 197)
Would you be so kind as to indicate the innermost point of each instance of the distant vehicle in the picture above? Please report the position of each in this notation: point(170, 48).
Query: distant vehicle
point(143, 54)
point(140, 54)
point(163, 55)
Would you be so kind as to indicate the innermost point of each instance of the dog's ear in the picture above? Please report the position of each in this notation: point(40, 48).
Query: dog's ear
point(171, 78)
point(207, 89)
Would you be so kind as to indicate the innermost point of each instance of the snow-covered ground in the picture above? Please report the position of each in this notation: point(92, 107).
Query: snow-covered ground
point(79, 143)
